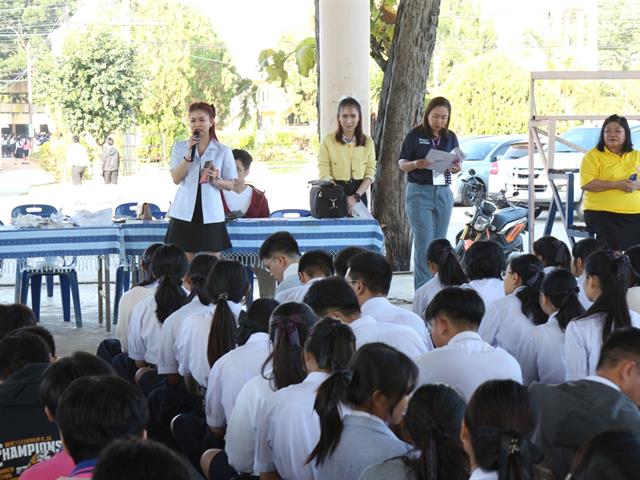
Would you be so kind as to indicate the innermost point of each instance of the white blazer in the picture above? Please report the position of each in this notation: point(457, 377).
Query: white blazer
point(185, 199)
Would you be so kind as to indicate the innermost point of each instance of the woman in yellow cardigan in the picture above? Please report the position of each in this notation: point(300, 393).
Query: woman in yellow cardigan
point(609, 178)
point(348, 156)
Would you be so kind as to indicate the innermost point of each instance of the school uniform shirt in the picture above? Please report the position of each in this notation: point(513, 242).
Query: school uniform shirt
point(290, 278)
point(367, 329)
point(416, 145)
point(144, 333)
point(583, 342)
point(289, 429)
point(365, 440)
point(128, 301)
point(230, 374)
point(480, 474)
point(193, 341)
point(582, 296)
point(240, 438)
point(542, 354)
point(633, 299)
point(504, 325)
point(465, 363)
point(395, 469)
point(238, 201)
point(383, 311)
point(185, 200)
point(170, 333)
point(489, 289)
point(425, 294)
point(296, 294)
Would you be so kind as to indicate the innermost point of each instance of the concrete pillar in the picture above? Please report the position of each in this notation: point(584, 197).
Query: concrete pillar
point(344, 58)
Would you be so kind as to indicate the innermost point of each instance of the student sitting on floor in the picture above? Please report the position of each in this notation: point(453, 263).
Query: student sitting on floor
point(581, 250)
point(484, 263)
point(45, 335)
point(612, 455)
point(553, 253)
point(313, 266)
point(14, 316)
point(279, 254)
point(633, 293)
point(341, 262)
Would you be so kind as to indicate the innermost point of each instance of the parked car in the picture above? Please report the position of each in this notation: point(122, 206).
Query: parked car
point(482, 154)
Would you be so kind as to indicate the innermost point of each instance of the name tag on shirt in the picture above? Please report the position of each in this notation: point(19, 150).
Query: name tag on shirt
point(424, 141)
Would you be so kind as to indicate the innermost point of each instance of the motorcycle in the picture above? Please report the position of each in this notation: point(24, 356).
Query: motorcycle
point(495, 217)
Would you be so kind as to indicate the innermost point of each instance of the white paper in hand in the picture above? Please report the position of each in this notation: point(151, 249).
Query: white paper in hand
point(440, 161)
point(360, 210)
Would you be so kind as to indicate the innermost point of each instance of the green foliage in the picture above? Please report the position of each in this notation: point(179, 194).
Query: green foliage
point(286, 149)
point(618, 34)
point(275, 62)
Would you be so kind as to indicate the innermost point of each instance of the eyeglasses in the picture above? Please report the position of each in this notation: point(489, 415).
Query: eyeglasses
point(351, 282)
point(269, 262)
point(505, 274)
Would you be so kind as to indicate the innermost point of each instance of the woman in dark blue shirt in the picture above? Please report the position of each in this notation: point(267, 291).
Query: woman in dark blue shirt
point(429, 200)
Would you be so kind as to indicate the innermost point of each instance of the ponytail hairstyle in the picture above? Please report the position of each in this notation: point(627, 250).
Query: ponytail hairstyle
point(612, 269)
point(433, 422)
point(145, 262)
point(531, 272)
point(500, 419)
point(198, 274)
point(561, 288)
point(169, 265)
point(375, 367)
point(552, 252)
point(255, 319)
point(634, 266)
point(360, 137)
point(210, 110)
point(289, 328)
point(450, 273)
point(227, 282)
point(332, 344)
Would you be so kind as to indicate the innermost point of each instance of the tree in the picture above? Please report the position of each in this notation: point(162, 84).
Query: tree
point(618, 34)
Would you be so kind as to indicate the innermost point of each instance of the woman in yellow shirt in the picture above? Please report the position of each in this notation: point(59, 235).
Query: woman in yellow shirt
point(609, 178)
point(348, 156)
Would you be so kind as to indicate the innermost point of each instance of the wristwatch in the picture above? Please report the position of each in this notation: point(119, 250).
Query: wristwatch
point(357, 196)
point(187, 159)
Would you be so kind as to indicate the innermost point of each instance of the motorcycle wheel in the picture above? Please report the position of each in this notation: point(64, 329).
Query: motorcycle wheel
point(470, 196)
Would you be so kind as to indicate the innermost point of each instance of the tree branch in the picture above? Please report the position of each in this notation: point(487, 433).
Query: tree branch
point(377, 53)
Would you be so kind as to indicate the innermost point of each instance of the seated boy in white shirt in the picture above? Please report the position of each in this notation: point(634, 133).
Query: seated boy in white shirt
point(313, 266)
point(461, 358)
point(280, 255)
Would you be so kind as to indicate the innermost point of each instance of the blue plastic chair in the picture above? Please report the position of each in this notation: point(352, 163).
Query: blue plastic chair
point(28, 274)
point(129, 210)
point(290, 213)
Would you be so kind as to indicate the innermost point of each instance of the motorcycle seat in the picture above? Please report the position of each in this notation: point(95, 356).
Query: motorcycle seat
point(506, 215)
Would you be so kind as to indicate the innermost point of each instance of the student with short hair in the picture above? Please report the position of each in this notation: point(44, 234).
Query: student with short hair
point(280, 254)
point(55, 381)
point(484, 263)
point(333, 297)
point(496, 432)
point(244, 197)
point(313, 266)
point(511, 318)
point(446, 270)
point(93, 412)
point(462, 358)
point(611, 455)
point(573, 412)
point(370, 277)
point(432, 426)
point(137, 459)
point(341, 262)
point(14, 316)
point(607, 274)
point(633, 293)
point(542, 351)
point(375, 388)
point(581, 250)
point(553, 253)
point(288, 428)
point(45, 335)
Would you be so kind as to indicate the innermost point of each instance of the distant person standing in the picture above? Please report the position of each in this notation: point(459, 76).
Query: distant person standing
point(26, 150)
point(78, 160)
point(110, 162)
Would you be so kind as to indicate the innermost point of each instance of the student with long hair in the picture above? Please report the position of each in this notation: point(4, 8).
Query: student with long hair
point(581, 250)
point(446, 270)
point(207, 336)
point(290, 324)
point(483, 264)
point(607, 276)
point(375, 387)
point(288, 427)
point(552, 252)
point(542, 352)
point(633, 293)
point(510, 319)
point(496, 432)
point(432, 426)
point(610, 455)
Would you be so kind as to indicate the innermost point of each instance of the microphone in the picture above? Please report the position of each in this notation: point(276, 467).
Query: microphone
point(196, 134)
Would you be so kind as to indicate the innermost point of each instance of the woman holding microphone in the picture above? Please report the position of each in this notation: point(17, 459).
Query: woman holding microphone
point(201, 167)
point(429, 200)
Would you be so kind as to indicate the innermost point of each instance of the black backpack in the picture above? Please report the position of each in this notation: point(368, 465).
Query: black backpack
point(327, 200)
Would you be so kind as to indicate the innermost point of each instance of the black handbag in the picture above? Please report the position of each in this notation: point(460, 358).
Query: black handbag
point(327, 200)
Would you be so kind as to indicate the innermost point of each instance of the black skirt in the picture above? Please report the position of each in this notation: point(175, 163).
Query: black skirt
point(617, 231)
point(196, 236)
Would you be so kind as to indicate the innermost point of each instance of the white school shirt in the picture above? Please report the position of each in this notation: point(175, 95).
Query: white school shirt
point(480, 474)
point(238, 201)
point(384, 311)
point(489, 289)
point(583, 342)
point(185, 200)
point(289, 429)
point(425, 294)
point(170, 333)
point(230, 374)
point(466, 362)
point(633, 299)
point(193, 341)
point(290, 278)
point(504, 325)
point(296, 294)
point(144, 332)
point(128, 301)
point(240, 439)
point(367, 329)
point(542, 354)
point(582, 297)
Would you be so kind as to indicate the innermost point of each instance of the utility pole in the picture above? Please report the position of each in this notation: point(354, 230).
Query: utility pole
point(29, 89)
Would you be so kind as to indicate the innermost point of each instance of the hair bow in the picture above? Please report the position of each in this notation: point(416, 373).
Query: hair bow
point(288, 323)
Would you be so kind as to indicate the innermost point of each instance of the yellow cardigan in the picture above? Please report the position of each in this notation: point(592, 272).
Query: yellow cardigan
point(338, 161)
